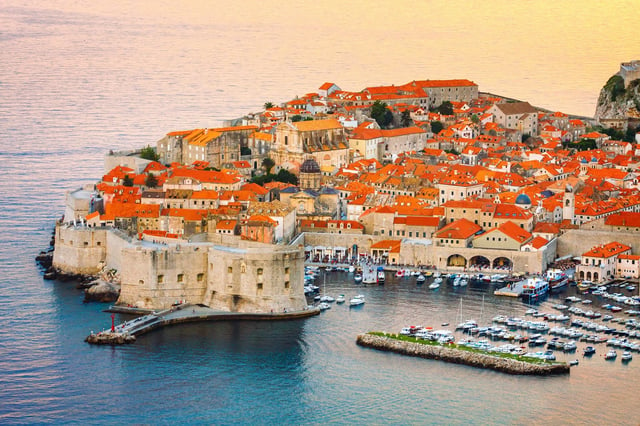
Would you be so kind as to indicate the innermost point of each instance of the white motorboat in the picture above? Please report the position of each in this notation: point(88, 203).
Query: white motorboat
point(626, 356)
point(324, 306)
point(380, 276)
point(340, 299)
point(357, 278)
point(421, 278)
point(327, 299)
point(357, 300)
point(399, 273)
point(434, 285)
point(611, 355)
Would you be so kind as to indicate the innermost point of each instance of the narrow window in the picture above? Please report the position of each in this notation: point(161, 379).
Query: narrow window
point(180, 278)
point(160, 279)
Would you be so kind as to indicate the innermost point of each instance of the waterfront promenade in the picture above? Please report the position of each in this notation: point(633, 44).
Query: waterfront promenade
point(127, 331)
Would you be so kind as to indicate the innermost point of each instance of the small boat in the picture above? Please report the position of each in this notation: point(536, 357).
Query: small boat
point(589, 350)
point(324, 306)
point(428, 273)
point(380, 276)
point(357, 300)
point(574, 362)
point(399, 273)
point(340, 299)
point(421, 279)
point(352, 269)
point(611, 354)
point(434, 285)
point(626, 356)
point(357, 278)
point(327, 299)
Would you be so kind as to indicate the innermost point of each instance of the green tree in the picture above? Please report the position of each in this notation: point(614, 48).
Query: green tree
point(151, 181)
point(405, 118)
point(268, 105)
point(268, 164)
point(296, 118)
point(445, 108)
point(381, 114)
point(287, 177)
point(615, 86)
point(127, 181)
point(149, 153)
point(436, 127)
point(475, 119)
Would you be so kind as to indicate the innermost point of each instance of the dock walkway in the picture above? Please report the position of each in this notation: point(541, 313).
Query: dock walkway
point(511, 290)
point(128, 330)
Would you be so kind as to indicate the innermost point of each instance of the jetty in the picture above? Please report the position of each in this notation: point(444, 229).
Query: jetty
point(514, 289)
point(127, 331)
point(389, 343)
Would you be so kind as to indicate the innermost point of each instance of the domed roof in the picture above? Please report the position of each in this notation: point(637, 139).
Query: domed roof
point(310, 166)
point(583, 161)
point(523, 199)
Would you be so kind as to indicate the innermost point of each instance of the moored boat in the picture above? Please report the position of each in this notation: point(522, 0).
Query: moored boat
point(357, 278)
point(421, 279)
point(340, 299)
point(434, 285)
point(611, 354)
point(534, 288)
point(357, 300)
point(557, 280)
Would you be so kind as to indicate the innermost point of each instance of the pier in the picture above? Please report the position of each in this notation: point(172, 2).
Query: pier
point(183, 313)
point(458, 356)
point(511, 290)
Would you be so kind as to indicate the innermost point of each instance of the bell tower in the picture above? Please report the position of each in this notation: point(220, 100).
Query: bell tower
point(568, 204)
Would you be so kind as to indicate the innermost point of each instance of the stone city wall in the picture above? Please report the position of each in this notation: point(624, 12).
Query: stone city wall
point(79, 249)
point(157, 277)
point(577, 241)
point(256, 279)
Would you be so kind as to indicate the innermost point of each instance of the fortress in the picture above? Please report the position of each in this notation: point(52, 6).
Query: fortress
point(224, 273)
point(629, 71)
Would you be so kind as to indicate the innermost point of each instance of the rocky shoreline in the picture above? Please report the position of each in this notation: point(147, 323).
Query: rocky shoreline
point(457, 356)
point(97, 288)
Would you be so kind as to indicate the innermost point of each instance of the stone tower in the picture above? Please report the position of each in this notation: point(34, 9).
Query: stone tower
point(568, 204)
point(310, 175)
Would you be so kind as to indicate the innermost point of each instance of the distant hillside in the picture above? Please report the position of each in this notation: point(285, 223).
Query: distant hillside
point(617, 102)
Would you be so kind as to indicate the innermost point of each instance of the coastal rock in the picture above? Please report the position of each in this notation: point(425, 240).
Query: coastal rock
point(108, 338)
point(457, 356)
point(617, 102)
point(101, 291)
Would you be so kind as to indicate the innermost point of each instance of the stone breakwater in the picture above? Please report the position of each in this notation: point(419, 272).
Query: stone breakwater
point(473, 359)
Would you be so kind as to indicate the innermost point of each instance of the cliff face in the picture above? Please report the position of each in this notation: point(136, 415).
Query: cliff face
point(616, 101)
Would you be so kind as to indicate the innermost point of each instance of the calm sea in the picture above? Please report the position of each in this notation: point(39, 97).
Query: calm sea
point(78, 78)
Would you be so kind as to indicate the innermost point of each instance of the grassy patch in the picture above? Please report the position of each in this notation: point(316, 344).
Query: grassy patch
point(412, 339)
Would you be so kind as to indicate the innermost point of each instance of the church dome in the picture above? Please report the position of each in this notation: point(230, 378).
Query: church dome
point(523, 199)
point(310, 166)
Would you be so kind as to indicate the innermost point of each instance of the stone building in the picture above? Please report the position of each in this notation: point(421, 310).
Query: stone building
point(310, 175)
point(215, 146)
point(323, 140)
point(519, 116)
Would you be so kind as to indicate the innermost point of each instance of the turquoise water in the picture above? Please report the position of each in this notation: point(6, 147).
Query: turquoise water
point(85, 78)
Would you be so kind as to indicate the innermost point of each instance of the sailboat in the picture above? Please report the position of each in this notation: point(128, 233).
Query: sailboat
point(326, 298)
